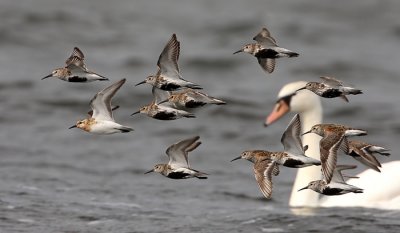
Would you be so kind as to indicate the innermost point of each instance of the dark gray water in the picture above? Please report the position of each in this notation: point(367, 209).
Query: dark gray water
point(57, 180)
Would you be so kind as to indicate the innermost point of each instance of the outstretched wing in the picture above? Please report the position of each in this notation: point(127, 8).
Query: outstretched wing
point(75, 61)
point(101, 102)
point(291, 137)
point(263, 172)
point(168, 60)
point(178, 152)
point(333, 82)
point(268, 64)
point(337, 174)
point(159, 95)
point(328, 152)
point(264, 37)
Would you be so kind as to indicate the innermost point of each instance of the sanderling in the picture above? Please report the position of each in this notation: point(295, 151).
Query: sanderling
point(101, 119)
point(263, 168)
point(266, 50)
point(331, 88)
point(364, 152)
point(178, 166)
point(333, 136)
point(190, 98)
point(337, 186)
point(75, 70)
point(160, 111)
point(168, 77)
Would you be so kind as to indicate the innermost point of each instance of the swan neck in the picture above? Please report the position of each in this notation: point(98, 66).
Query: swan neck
point(311, 173)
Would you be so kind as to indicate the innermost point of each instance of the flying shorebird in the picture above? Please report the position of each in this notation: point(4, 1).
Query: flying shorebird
point(331, 88)
point(75, 70)
point(190, 98)
point(266, 50)
point(178, 166)
point(101, 119)
point(168, 77)
point(333, 136)
point(160, 111)
point(293, 149)
point(263, 169)
point(337, 185)
point(364, 152)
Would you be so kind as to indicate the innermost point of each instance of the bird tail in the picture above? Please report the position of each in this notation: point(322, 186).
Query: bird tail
point(355, 132)
point(217, 101)
point(380, 150)
point(125, 129)
point(194, 86)
point(351, 91)
point(189, 115)
point(201, 175)
point(292, 54)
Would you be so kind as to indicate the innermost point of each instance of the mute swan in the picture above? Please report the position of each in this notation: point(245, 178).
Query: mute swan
point(381, 190)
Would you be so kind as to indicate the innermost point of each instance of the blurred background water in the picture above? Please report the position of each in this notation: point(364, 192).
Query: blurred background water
point(59, 180)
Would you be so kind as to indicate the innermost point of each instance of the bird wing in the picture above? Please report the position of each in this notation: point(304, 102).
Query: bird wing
point(178, 152)
point(76, 60)
point(364, 155)
point(101, 102)
point(159, 95)
point(264, 37)
point(291, 140)
point(328, 153)
point(263, 171)
point(337, 173)
point(168, 60)
point(333, 82)
point(268, 64)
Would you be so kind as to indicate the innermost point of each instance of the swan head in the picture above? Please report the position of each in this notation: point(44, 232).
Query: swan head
point(291, 99)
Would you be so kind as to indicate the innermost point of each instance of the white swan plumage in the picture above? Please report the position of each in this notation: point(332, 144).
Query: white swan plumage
point(381, 190)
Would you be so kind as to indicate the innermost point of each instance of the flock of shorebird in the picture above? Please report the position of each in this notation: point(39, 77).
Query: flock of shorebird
point(173, 97)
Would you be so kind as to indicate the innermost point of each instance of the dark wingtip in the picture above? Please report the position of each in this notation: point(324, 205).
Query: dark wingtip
point(190, 116)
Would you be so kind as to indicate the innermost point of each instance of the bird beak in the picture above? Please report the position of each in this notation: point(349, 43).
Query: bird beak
point(164, 101)
point(152, 170)
point(48, 76)
point(303, 88)
point(142, 82)
point(239, 51)
point(236, 158)
point(135, 113)
point(74, 126)
point(306, 133)
point(302, 188)
point(280, 109)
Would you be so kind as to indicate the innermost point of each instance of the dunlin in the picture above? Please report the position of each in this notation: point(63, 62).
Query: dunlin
point(168, 77)
point(333, 136)
point(364, 152)
point(162, 112)
point(178, 166)
point(263, 168)
point(293, 154)
point(190, 98)
point(101, 119)
point(266, 50)
point(75, 70)
point(331, 88)
point(337, 186)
